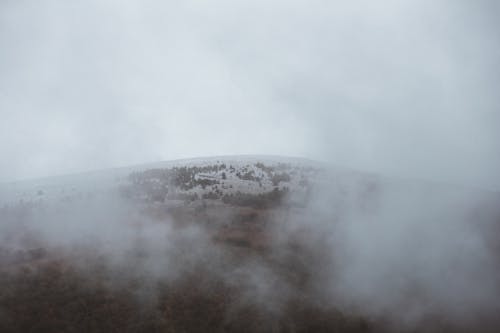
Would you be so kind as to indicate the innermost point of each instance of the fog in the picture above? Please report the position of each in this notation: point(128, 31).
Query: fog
point(403, 255)
point(406, 92)
point(410, 251)
point(397, 87)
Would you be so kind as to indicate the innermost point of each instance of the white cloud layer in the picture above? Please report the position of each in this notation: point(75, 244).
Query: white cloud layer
point(408, 88)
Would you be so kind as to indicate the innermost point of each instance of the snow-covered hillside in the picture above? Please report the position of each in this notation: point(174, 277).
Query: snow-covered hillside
point(200, 178)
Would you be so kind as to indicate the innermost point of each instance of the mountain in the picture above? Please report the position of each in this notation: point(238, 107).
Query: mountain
point(247, 243)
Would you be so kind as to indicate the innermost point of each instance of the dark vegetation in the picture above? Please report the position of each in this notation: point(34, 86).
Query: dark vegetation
point(158, 185)
point(248, 175)
point(54, 296)
point(159, 181)
point(264, 200)
point(78, 290)
point(280, 177)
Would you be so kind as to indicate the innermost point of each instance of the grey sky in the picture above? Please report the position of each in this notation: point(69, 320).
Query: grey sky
point(401, 87)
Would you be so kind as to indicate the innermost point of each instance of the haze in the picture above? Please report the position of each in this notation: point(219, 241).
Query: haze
point(407, 88)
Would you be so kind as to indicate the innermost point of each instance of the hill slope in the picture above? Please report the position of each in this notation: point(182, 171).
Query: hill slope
point(249, 243)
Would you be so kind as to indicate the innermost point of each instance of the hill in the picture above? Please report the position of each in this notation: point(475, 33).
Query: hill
point(257, 244)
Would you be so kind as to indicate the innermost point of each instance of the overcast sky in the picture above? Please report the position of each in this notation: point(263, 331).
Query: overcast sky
point(410, 88)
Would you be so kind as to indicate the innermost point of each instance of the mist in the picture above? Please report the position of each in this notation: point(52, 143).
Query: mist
point(409, 251)
point(397, 100)
point(401, 255)
point(406, 88)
